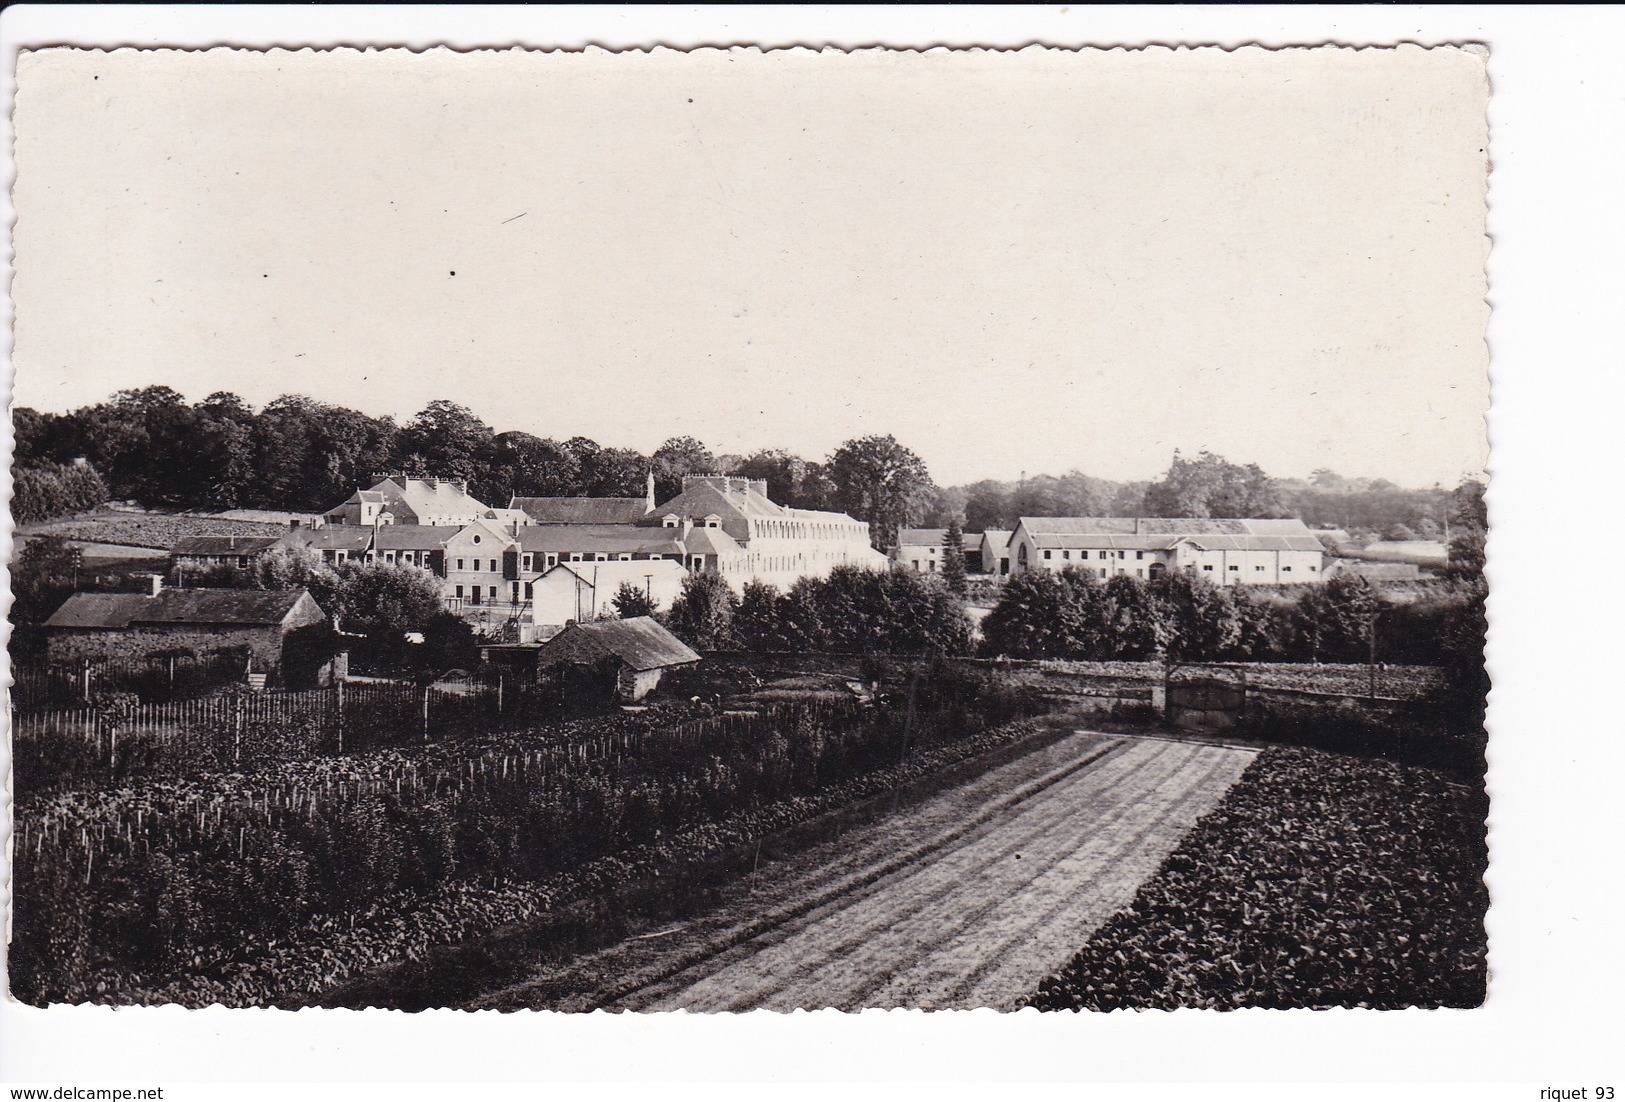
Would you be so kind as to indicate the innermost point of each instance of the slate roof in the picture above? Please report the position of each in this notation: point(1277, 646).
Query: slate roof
point(428, 497)
point(334, 537)
point(709, 541)
point(224, 545)
point(582, 510)
point(117, 611)
point(414, 537)
point(922, 537)
point(639, 642)
point(996, 538)
point(610, 539)
point(1161, 533)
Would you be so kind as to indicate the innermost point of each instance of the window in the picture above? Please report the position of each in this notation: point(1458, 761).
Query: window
point(552, 559)
point(1122, 554)
point(1139, 554)
point(476, 537)
point(1209, 569)
point(1258, 569)
point(599, 556)
point(1286, 570)
point(528, 591)
point(459, 564)
point(389, 556)
point(916, 565)
point(931, 567)
point(1046, 552)
point(493, 566)
point(1068, 554)
point(459, 591)
point(493, 593)
point(1139, 572)
point(575, 556)
point(529, 560)
point(1312, 569)
point(1234, 568)
point(624, 556)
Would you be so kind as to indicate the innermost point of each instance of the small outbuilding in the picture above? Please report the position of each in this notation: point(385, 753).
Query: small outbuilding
point(625, 657)
point(133, 626)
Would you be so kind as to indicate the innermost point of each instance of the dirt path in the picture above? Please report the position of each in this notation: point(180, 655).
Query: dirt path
point(965, 900)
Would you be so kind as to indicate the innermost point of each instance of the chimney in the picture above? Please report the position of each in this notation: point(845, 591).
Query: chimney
point(759, 485)
point(233, 544)
point(157, 583)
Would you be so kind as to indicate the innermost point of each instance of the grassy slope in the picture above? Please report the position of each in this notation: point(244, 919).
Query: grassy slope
point(1320, 881)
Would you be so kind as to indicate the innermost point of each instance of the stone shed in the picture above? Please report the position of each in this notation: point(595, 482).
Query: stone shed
point(623, 657)
point(102, 627)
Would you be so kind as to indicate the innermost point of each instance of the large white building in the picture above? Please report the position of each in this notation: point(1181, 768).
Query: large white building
point(1226, 552)
point(490, 561)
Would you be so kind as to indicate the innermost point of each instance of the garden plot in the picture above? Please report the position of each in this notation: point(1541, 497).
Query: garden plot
point(965, 900)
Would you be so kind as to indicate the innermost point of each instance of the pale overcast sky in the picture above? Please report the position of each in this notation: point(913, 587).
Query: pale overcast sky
point(1032, 261)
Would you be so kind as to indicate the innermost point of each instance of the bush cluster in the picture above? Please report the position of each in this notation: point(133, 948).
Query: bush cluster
point(852, 611)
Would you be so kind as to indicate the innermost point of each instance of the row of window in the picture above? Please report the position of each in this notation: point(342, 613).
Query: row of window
point(1082, 555)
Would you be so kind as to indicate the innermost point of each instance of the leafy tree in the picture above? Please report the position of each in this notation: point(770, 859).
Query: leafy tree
point(1336, 619)
point(1130, 620)
point(444, 440)
point(880, 481)
point(43, 575)
point(1199, 619)
point(1211, 486)
point(45, 491)
point(630, 601)
point(676, 457)
point(703, 613)
point(757, 623)
point(298, 568)
point(518, 464)
point(1469, 520)
point(1028, 620)
point(953, 558)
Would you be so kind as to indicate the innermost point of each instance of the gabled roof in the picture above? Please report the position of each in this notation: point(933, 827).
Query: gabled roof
point(921, 537)
point(428, 496)
point(582, 510)
point(116, 611)
point(709, 541)
point(996, 538)
point(334, 537)
point(639, 642)
point(414, 537)
point(609, 539)
point(224, 545)
point(1161, 533)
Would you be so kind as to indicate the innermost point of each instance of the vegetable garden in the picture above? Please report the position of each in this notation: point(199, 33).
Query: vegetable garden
point(1320, 881)
point(129, 892)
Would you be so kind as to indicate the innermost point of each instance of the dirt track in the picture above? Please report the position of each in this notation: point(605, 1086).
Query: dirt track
point(965, 900)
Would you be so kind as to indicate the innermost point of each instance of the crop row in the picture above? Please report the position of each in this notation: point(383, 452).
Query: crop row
point(152, 881)
point(1320, 881)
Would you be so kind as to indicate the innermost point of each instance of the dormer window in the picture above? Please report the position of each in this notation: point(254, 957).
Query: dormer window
point(713, 521)
point(669, 520)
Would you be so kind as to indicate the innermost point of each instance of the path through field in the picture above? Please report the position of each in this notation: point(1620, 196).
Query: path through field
point(965, 900)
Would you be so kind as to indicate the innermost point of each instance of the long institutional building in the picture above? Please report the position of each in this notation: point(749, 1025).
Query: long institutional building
point(1226, 552)
point(493, 561)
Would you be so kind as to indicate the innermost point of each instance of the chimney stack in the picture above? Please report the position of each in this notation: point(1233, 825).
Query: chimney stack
point(156, 581)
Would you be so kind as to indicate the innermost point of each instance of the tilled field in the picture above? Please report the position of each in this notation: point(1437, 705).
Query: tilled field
point(965, 900)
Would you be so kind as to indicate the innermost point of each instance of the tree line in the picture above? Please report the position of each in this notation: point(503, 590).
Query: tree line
point(152, 446)
point(298, 454)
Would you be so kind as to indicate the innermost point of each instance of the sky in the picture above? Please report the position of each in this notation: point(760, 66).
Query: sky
point(1029, 261)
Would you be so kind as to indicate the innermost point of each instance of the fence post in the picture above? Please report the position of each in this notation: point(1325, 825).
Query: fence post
point(237, 737)
point(425, 713)
point(339, 689)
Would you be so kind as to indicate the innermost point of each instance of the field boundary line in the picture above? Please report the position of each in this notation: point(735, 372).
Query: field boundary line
point(861, 880)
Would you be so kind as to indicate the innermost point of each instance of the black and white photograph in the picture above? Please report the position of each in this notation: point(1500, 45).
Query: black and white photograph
point(502, 534)
point(745, 530)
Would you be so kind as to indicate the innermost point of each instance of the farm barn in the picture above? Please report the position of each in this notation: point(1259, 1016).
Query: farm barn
point(123, 626)
point(626, 657)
